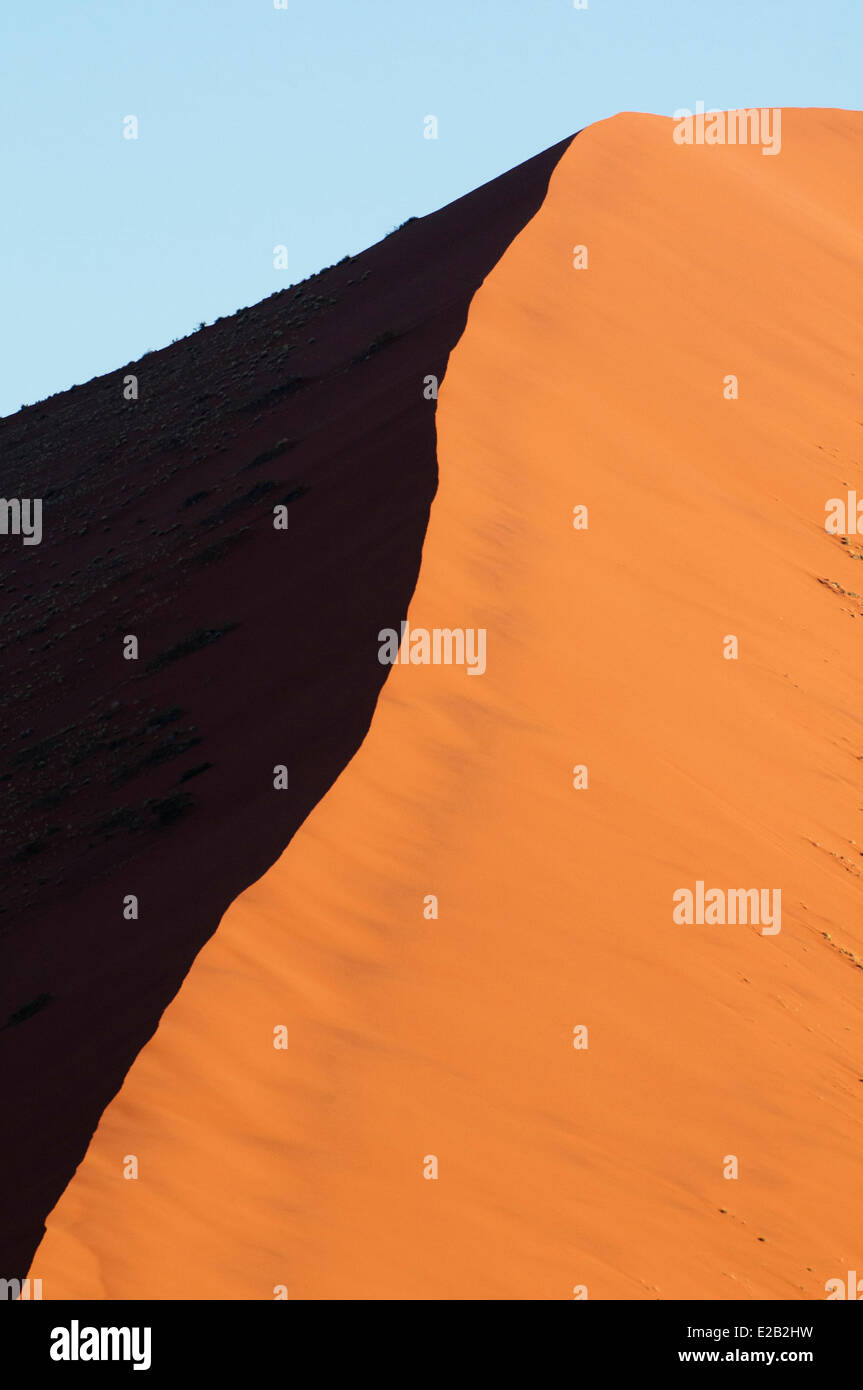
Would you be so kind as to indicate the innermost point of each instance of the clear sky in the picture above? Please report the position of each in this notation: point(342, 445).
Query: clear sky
point(303, 127)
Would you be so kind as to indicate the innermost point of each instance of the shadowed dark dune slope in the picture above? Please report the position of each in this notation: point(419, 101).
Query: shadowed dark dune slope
point(257, 646)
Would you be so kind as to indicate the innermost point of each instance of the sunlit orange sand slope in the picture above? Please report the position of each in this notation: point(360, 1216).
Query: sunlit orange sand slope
point(410, 1036)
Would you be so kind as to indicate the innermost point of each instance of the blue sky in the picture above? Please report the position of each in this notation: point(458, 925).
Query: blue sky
point(304, 127)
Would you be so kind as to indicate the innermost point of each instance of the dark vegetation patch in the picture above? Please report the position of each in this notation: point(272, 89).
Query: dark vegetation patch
point(195, 772)
point(217, 551)
point(195, 642)
point(174, 746)
point(378, 342)
point(28, 1010)
point(285, 388)
point(268, 455)
point(237, 504)
point(294, 495)
point(172, 808)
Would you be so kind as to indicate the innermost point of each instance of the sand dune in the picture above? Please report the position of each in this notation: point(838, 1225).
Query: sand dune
point(453, 1037)
point(257, 647)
